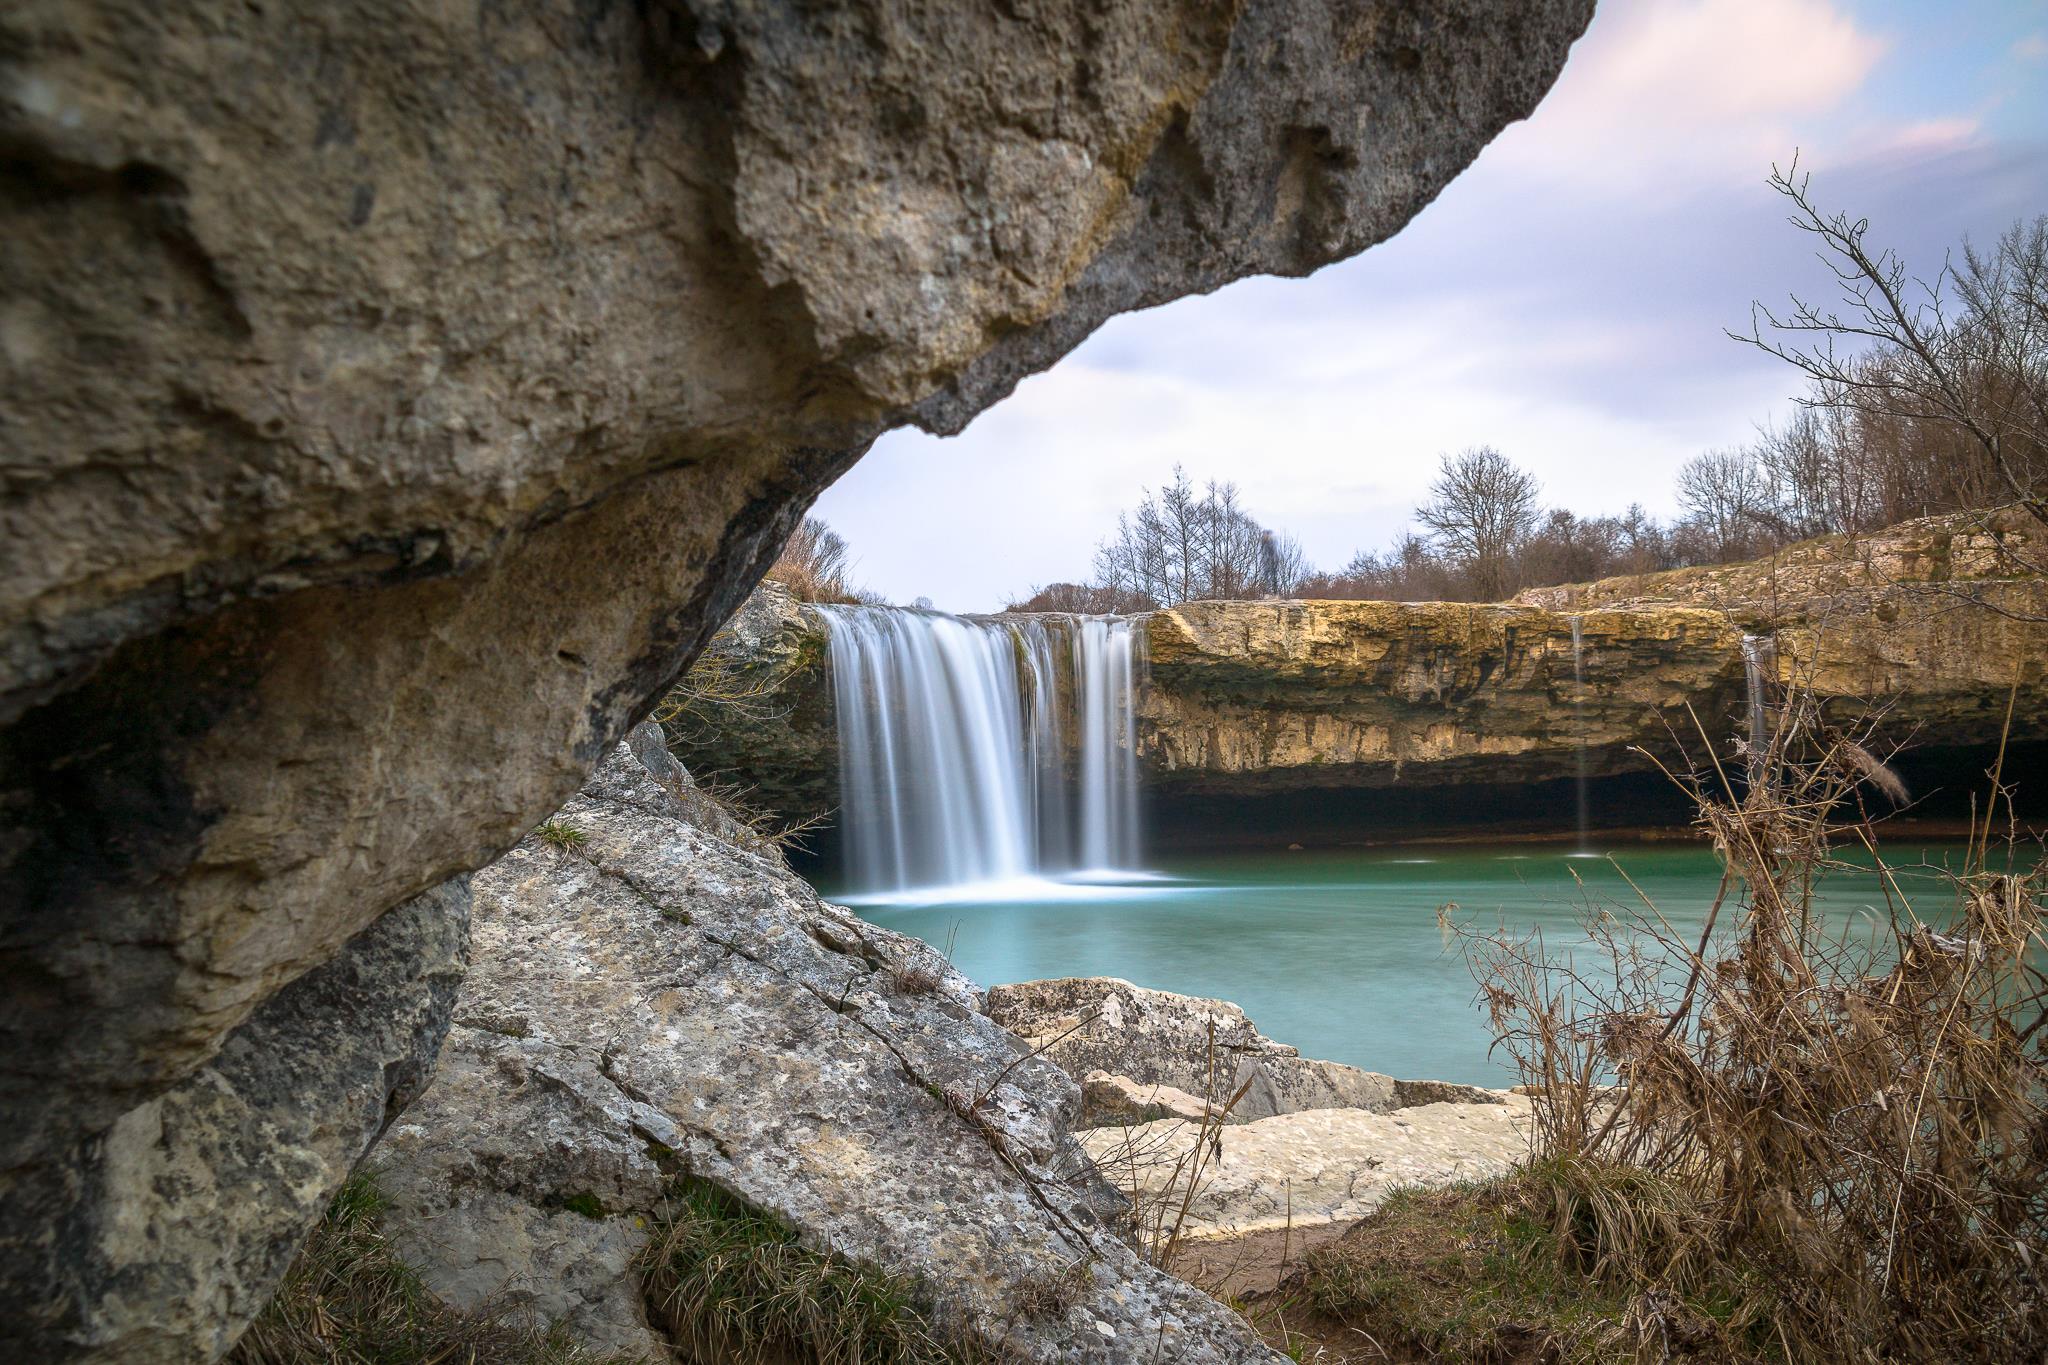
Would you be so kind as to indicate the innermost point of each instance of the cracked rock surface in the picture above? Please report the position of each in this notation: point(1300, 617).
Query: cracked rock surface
point(671, 999)
point(160, 1240)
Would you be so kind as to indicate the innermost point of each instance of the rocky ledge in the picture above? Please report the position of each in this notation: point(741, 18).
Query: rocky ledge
point(1450, 702)
point(1136, 1050)
point(1306, 1150)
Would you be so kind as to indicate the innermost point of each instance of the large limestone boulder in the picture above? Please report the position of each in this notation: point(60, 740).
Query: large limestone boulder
point(1312, 1168)
point(1138, 1047)
point(396, 397)
point(668, 999)
point(159, 1240)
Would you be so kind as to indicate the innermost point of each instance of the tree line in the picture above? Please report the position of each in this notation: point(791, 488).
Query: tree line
point(1922, 395)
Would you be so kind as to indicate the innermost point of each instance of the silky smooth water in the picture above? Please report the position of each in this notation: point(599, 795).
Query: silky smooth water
point(1339, 953)
point(983, 751)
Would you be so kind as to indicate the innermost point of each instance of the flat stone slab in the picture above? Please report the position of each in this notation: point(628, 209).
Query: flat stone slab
point(1311, 1168)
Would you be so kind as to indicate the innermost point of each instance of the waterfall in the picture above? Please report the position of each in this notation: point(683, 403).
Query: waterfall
point(1046, 738)
point(1579, 718)
point(1759, 670)
point(977, 750)
point(1104, 677)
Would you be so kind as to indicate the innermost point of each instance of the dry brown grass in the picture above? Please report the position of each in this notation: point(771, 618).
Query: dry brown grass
point(814, 566)
point(1495, 1271)
point(1852, 1124)
point(1162, 1167)
point(914, 978)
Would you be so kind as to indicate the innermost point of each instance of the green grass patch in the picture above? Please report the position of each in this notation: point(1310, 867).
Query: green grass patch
point(732, 1283)
point(560, 834)
point(349, 1300)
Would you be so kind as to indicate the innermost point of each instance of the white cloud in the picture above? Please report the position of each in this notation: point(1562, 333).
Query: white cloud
point(1562, 300)
point(1660, 91)
point(1337, 453)
point(1935, 134)
point(2032, 48)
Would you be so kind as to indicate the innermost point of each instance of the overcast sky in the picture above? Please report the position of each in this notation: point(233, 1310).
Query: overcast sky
point(1563, 299)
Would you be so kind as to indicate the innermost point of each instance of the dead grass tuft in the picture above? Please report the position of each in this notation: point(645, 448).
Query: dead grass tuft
point(349, 1300)
point(1505, 1270)
point(1843, 1132)
point(914, 978)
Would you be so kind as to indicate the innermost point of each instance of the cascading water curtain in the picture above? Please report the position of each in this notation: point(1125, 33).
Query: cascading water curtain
point(1046, 740)
point(955, 736)
point(933, 784)
point(1105, 681)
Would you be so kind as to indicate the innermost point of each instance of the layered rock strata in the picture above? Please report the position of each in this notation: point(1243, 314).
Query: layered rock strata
point(664, 998)
point(397, 397)
point(1599, 681)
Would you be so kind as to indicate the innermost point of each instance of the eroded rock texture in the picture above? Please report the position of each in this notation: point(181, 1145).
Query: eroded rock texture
point(159, 1239)
point(671, 1000)
point(396, 395)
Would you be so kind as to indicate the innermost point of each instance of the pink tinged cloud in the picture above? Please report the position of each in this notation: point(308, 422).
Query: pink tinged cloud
point(1699, 83)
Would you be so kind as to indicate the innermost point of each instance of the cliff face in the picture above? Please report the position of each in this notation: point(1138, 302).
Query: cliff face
point(397, 396)
point(1268, 696)
point(1261, 698)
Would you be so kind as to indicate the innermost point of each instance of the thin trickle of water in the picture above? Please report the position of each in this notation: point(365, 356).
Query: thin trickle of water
point(957, 738)
point(1759, 670)
point(1579, 719)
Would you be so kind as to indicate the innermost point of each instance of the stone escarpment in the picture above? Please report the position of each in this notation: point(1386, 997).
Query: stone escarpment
point(1923, 619)
point(397, 397)
point(665, 1000)
point(1447, 705)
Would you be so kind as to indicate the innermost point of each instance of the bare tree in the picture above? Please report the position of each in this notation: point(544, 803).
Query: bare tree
point(814, 564)
point(1184, 544)
point(1727, 496)
point(1480, 509)
point(1966, 350)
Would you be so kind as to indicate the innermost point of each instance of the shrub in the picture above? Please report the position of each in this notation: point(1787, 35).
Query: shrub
point(1853, 1126)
